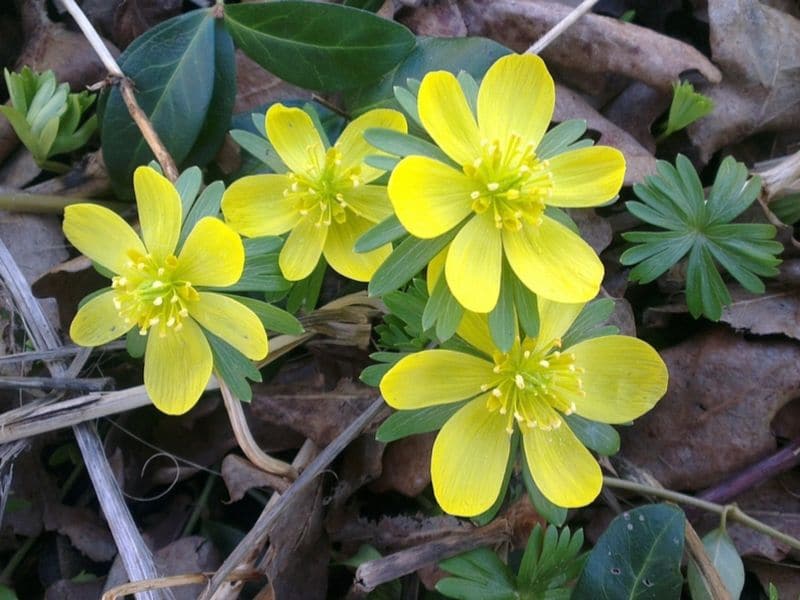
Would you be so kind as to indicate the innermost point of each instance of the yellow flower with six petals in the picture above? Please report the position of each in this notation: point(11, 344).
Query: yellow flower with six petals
point(325, 199)
point(162, 294)
point(611, 379)
point(503, 187)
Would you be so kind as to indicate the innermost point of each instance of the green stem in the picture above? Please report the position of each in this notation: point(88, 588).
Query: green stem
point(198, 507)
point(732, 511)
point(17, 201)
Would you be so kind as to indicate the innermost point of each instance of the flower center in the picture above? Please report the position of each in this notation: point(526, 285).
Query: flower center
point(148, 294)
point(317, 193)
point(511, 182)
point(530, 387)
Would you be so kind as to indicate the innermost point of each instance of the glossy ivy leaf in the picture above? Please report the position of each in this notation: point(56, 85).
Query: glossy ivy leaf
point(318, 46)
point(691, 224)
point(726, 560)
point(174, 67)
point(687, 107)
point(637, 558)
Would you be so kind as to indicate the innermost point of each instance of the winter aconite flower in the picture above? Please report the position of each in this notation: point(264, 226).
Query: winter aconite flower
point(325, 199)
point(159, 290)
point(531, 388)
point(502, 187)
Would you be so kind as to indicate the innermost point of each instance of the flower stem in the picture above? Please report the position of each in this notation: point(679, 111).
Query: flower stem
point(732, 512)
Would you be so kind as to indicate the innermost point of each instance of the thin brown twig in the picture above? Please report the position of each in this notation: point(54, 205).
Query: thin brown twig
point(698, 552)
point(126, 589)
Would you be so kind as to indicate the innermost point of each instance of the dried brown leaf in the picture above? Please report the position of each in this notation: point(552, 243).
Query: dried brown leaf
point(133, 17)
point(715, 419)
point(240, 475)
point(442, 19)
point(406, 466)
point(776, 311)
point(85, 529)
point(594, 44)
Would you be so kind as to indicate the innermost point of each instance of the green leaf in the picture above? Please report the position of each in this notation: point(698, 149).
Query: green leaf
point(6, 593)
point(600, 437)
point(687, 107)
point(442, 310)
point(550, 561)
point(479, 575)
point(402, 144)
point(527, 308)
point(272, 317)
point(552, 513)
point(726, 561)
point(172, 66)
point(206, 205)
point(305, 293)
point(587, 323)
point(233, 367)
point(135, 343)
point(188, 185)
point(674, 201)
point(408, 259)
point(637, 558)
point(370, 5)
point(261, 270)
point(318, 46)
point(503, 319)
point(773, 592)
point(473, 55)
point(385, 232)
point(411, 422)
point(260, 148)
point(563, 137)
point(787, 208)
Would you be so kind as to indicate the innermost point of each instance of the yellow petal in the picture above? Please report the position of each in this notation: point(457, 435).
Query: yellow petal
point(102, 235)
point(294, 137)
point(474, 329)
point(160, 211)
point(517, 95)
point(212, 255)
point(563, 469)
point(623, 378)
point(586, 177)
point(429, 197)
point(369, 201)
point(98, 322)
point(444, 112)
point(435, 269)
point(554, 262)
point(177, 368)
point(355, 148)
point(255, 205)
point(302, 249)
point(233, 322)
point(555, 319)
point(469, 460)
point(474, 264)
point(434, 377)
point(340, 254)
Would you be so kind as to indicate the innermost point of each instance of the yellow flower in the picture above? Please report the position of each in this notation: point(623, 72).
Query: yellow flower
point(502, 188)
point(611, 379)
point(160, 293)
point(325, 199)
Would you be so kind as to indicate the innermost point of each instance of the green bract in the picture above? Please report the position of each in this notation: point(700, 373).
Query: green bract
point(674, 202)
point(46, 116)
point(687, 107)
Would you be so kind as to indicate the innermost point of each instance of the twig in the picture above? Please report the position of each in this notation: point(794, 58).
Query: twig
point(126, 89)
point(21, 201)
point(544, 41)
point(258, 533)
point(698, 552)
point(84, 384)
point(732, 511)
point(783, 460)
point(63, 352)
point(245, 438)
point(125, 589)
point(371, 574)
point(135, 555)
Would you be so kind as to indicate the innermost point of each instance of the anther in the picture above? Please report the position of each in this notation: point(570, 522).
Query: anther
point(544, 363)
point(475, 195)
point(497, 393)
point(158, 301)
point(519, 381)
point(493, 186)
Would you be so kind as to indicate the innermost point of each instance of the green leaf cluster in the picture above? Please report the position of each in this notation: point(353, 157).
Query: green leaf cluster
point(689, 223)
point(727, 562)
point(550, 562)
point(47, 118)
point(687, 107)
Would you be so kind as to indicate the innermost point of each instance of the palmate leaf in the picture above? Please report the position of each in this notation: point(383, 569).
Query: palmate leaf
point(700, 227)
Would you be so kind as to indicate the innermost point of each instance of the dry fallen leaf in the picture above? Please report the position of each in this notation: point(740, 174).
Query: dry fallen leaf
point(406, 466)
point(442, 19)
point(594, 44)
point(758, 50)
point(241, 475)
point(775, 311)
point(724, 391)
point(132, 19)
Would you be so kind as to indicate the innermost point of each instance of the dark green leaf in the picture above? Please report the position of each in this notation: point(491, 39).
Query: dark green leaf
point(442, 310)
point(135, 343)
point(172, 66)
point(587, 324)
point(527, 308)
point(385, 232)
point(207, 205)
point(188, 185)
point(272, 317)
point(370, 5)
point(410, 422)
point(408, 259)
point(503, 319)
point(305, 293)
point(637, 558)
point(471, 54)
point(600, 437)
point(233, 367)
point(318, 46)
point(261, 270)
